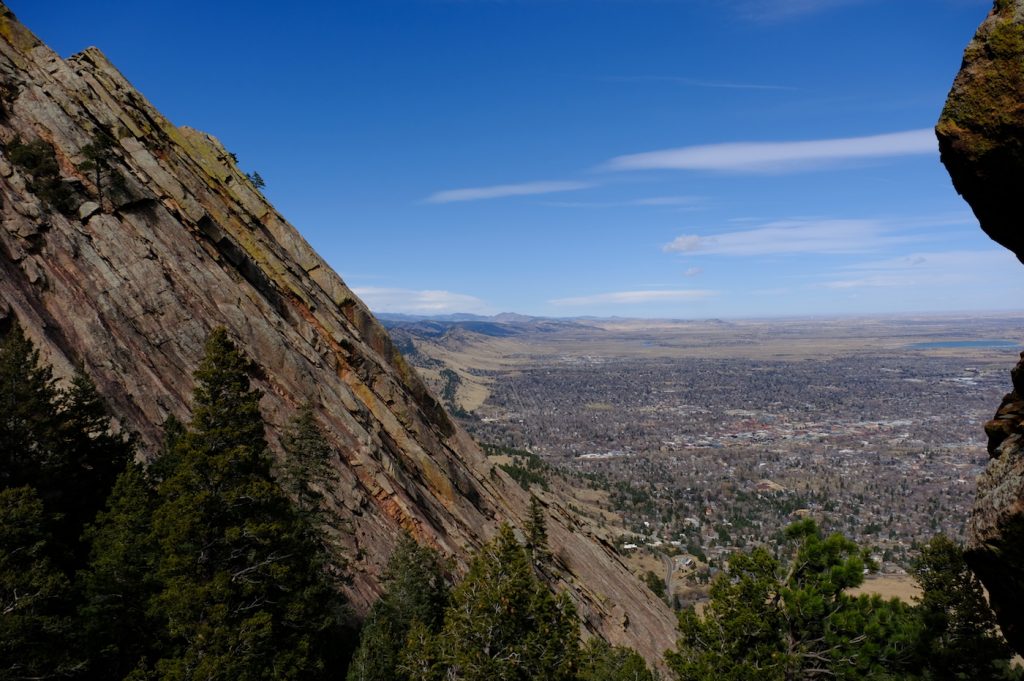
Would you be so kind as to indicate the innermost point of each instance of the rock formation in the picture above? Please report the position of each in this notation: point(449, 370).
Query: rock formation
point(981, 138)
point(126, 239)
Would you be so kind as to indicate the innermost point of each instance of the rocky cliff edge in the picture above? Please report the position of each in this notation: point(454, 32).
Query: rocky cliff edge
point(127, 281)
point(981, 138)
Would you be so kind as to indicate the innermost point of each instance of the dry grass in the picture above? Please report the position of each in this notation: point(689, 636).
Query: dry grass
point(902, 587)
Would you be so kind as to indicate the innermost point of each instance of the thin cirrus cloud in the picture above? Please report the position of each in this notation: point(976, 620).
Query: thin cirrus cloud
point(781, 10)
point(771, 157)
point(930, 269)
point(792, 237)
point(380, 299)
point(651, 201)
point(500, 191)
point(699, 83)
point(635, 297)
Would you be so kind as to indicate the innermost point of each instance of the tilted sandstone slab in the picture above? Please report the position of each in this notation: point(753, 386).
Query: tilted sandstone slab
point(981, 138)
point(129, 284)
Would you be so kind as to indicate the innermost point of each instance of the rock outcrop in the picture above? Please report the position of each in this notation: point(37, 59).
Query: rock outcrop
point(981, 138)
point(124, 269)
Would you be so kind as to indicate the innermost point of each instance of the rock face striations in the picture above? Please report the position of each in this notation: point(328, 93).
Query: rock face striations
point(126, 239)
point(981, 137)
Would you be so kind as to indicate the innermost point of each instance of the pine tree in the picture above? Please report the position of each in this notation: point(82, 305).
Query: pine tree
point(244, 592)
point(416, 593)
point(34, 594)
point(960, 639)
point(537, 530)
point(308, 457)
point(802, 624)
point(89, 460)
point(503, 624)
point(600, 661)
point(29, 424)
point(119, 583)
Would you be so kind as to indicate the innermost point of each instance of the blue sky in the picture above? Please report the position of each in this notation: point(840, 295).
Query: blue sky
point(642, 158)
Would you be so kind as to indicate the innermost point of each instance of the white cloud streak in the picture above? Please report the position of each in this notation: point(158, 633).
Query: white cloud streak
point(635, 297)
point(792, 237)
point(501, 191)
point(773, 157)
point(696, 82)
point(653, 201)
point(780, 10)
point(411, 301)
point(930, 269)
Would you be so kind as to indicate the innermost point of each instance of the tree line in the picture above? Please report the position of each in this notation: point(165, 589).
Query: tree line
point(210, 563)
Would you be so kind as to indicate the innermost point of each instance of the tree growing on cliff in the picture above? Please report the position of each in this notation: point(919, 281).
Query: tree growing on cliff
point(960, 638)
point(416, 593)
point(99, 161)
point(503, 624)
point(243, 587)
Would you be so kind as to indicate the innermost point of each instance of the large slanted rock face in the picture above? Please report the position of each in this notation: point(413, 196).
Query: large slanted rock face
point(127, 279)
point(981, 130)
point(981, 137)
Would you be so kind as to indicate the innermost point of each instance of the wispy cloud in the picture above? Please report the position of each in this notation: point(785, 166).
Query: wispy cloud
point(929, 269)
point(791, 237)
point(635, 297)
point(781, 10)
point(697, 82)
point(693, 272)
point(500, 191)
point(653, 201)
point(418, 302)
point(770, 157)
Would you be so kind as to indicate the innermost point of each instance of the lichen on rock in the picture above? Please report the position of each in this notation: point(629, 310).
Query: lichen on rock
point(981, 129)
point(981, 139)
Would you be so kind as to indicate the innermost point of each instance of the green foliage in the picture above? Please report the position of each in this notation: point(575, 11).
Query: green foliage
point(34, 625)
point(38, 159)
point(526, 468)
point(767, 623)
point(503, 624)
point(59, 443)
point(308, 457)
point(29, 424)
point(99, 160)
point(416, 595)
point(119, 582)
point(600, 661)
point(243, 587)
point(654, 583)
point(537, 530)
point(256, 180)
point(960, 639)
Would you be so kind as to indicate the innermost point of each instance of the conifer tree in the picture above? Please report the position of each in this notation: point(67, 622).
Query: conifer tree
point(28, 412)
point(244, 593)
point(119, 583)
point(88, 461)
point(307, 460)
point(600, 661)
point(768, 624)
point(416, 595)
point(59, 443)
point(537, 530)
point(503, 624)
point(960, 638)
point(34, 593)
